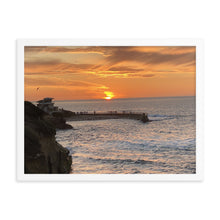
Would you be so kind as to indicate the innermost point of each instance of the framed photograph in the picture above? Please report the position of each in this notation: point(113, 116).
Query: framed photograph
point(109, 110)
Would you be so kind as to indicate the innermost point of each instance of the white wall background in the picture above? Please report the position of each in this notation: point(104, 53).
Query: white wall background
point(109, 19)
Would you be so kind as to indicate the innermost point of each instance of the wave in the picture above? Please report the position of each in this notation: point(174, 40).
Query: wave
point(166, 117)
point(124, 161)
point(158, 115)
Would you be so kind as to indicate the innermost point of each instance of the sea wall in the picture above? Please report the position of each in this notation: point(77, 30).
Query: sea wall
point(100, 116)
point(42, 153)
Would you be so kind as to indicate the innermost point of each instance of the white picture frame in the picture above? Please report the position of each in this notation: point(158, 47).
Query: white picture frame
point(198, 176)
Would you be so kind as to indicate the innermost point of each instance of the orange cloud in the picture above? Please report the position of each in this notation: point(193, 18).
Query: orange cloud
point(70, 49)
point(53, 67)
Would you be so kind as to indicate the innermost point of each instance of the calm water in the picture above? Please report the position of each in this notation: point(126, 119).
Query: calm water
point(165, 145)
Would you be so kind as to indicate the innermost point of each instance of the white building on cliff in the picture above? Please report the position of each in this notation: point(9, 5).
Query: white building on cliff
point(47, 105)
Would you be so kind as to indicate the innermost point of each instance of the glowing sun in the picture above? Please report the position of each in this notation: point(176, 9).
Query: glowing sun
point(109, 95)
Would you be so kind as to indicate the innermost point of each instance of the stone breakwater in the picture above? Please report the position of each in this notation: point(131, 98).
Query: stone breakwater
point(102, 116)
point(42, 152)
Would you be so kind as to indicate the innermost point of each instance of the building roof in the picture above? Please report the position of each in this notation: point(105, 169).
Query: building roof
point(45, 100)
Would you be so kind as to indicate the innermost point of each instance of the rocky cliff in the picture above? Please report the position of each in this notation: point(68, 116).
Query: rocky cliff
point(42, 153)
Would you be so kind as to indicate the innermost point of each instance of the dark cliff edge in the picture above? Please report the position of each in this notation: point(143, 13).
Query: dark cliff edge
point(42, 153)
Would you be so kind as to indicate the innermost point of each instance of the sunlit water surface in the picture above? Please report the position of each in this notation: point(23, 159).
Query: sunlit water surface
point(165, 145)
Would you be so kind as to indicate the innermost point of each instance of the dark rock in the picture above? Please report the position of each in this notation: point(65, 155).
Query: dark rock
point(145, 118)
point(64, 114)
point(42, 153)
point(58, 122)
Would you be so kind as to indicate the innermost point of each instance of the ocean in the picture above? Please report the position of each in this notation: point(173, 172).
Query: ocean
point(167, 145)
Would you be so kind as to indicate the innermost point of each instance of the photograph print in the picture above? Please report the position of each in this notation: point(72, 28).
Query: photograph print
point(110, 109)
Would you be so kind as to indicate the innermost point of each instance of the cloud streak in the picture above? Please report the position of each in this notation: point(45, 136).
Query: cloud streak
point(59, 82)
point(152, 58)
point(71, 50)
point(53, 67)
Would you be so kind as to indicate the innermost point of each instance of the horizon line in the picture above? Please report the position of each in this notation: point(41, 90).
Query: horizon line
point(117, 98)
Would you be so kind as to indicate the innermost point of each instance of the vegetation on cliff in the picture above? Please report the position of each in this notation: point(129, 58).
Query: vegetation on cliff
point(42, 153)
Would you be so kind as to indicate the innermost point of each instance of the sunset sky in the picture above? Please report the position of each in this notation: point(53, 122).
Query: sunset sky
point(72, 73)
